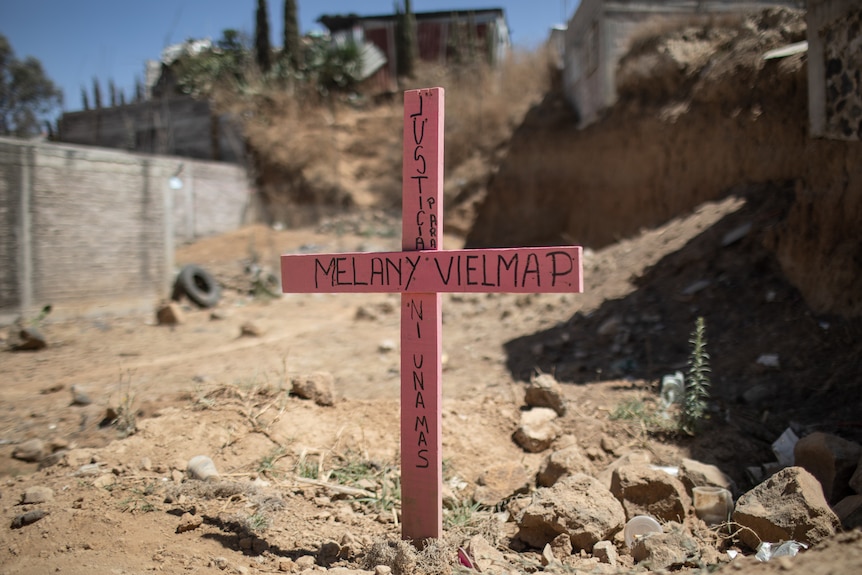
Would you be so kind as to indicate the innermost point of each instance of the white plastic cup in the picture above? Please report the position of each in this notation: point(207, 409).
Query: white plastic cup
point(640, 526)
point(202, 467)
point(712, 504)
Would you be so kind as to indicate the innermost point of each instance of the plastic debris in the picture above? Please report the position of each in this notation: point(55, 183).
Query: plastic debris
point(640, 526)
point(672, 389)
point(783, 447)
point(765, 552)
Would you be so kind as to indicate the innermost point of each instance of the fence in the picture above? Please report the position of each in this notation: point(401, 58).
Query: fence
point(92, 230)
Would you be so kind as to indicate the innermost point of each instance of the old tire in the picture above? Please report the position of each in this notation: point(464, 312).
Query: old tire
point(198, 285)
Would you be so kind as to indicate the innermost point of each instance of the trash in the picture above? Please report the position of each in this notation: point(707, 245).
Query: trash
point(465, 560)
point(712, 504)
point(786, 549)
point(783, 447)
point(672, 389)
point(640, 526)
point(202, 467)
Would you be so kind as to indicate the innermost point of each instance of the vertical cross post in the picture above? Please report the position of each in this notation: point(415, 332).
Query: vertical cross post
point(420, 273)
point(421, 320)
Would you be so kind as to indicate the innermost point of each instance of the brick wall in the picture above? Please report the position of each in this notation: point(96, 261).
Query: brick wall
point(90, 230)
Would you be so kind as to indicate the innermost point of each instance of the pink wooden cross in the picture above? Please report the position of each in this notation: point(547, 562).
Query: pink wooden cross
point(421, 272)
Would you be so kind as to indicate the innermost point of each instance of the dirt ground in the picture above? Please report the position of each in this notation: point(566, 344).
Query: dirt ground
point(203, 388)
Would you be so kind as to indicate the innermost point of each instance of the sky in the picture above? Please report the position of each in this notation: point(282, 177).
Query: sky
point(77, 40)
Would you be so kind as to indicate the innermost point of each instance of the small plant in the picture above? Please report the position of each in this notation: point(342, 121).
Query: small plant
point(267, 463)
point(256, 523)
point(697, 381)
point(462, 515)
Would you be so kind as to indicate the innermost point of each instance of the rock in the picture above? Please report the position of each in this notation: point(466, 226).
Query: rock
point(562, 463)
point(484, 555)
point(578, 506)
point(202, 467)
point(285, 564)
point(631, 458)
point(28, 518)
point(104, 480)
point(537, 430)
point(31, 450)
point(170, 314)
point(544, 391)
point(189, 522)
point(610, 326)
point(693, 473)
point(500, 482)
point(250, 329)
point(80, 396)
point(328, 553)
point(383, 570)
point(316, 387)
point(219, 563)
point(673, 547)
point(605, 552)
point(831, 459)
point(788, 505)
point(37, 494)
point(561, 546)
point(646, 491)
point(305, 562)
point(29, 339)
point(849, 511)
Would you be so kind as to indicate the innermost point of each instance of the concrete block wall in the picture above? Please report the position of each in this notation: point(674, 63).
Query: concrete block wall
point(91, 230)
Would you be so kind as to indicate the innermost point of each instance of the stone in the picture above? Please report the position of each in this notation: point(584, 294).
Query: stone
point(250, 329)
point(500, 482)
point(788, 506)
point(579, 506)
point(316, 386)
point(104, 480)
point(328, 553)
point(37, 494)
point(673, 547)
point(606, 552)
point(484, 555)
point(544, 391)
point(693, 473)
point(537, 430)
point(305, 562)
point(849, 511)
point(547, 556)
point(631, 458)
point(561, 546)
point(383, 570)
point(285, 564)
point(28, 518)
point(562, 463)
point(831, 459)
point(29, 339)
point(31, 450)
point(643, 490)
point(189, 522)
point(80, 396)
point(170, 314)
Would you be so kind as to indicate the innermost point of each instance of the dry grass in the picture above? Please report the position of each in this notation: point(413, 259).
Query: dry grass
point(304, 150)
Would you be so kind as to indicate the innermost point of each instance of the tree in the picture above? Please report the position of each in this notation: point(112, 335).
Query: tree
point(85, 100)
point(406, 48)
point(261, 37)
point(97, 94)
point(27, 95)
point(290, 50)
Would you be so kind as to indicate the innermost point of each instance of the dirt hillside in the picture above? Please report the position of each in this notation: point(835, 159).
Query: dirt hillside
point(98, 428)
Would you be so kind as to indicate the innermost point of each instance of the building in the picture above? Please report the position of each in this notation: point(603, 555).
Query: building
point(441, 37)
point(165, 122)
point(600, 31)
